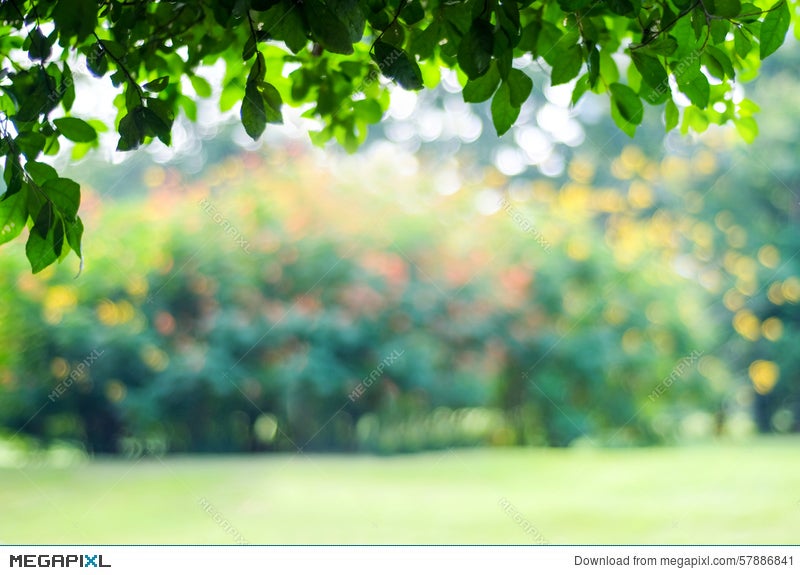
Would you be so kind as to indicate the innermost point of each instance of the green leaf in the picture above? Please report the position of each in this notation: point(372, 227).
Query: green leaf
point(475, 50)
point(290, 26)
point(746, 127)
point(201, 86)
point(653, 73)
point(694, 118)
point(189, 107)
point(254, 117)
point(749, 13)
point(520, 86)
point(724, 8)
point(326, 27)
point(696, 89)
point(504, 114)
point(593, 66)
point(44, 219)
point(424, 43)
point(157, 85)
point(67, 88)
point(74, 234)
point(133, 98)
point(413, 12)
point(661, 46)
point(368, 110)
point(30, 143)
point(257, 70)
point(155, 125)
point(699, 23)
point(712, 65)
point(351, 15)
point(774, 28)
point(65, 195)
point(609, 71)
point(272, 102)
point(38, 45)
point(566, 65)
point(671, 115)
point(627, 102)
point(530, 37)
point(622, 123)
point(40, 172)
point(549, 42)
point(719, 29)
point(723, 60)
point(75, 129)
point(505, 60)
point(96, 61)
point(396, 64)
point(45, 240)
point(12, 175)
point(232, 94)
point(58, 236)
point(581, 87)
point(262, 5)
point(13, 214)
point(75, 18)
point(130, 133)
point(741, 43)
point(166, 115)
point(621, 7)
point(80, 150)
point(573, 5)
point(481, 89)
point(52, 146)
point(249, 48)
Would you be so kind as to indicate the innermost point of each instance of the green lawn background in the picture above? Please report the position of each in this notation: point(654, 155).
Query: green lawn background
point(708, 494)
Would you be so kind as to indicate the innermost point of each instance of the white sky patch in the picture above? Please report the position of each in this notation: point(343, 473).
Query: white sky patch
point(553, 166)
point(552, 118)
point(403, 104)
point(450, 81)
point(400, 132)
point(456, 105)
point(571, 134)
point(510, 160)
point(487, 201)
point(560, 95)
point(534, 143)
point(429, 124)
point(469, 127)
point(591, 109)
point(448, 181)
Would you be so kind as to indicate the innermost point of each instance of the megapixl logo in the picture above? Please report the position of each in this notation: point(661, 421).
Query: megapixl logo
point(57, 561)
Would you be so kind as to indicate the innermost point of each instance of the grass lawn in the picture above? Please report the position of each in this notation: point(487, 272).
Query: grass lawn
point(709, 494)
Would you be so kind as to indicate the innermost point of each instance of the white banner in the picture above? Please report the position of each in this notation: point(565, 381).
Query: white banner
point(402, 560)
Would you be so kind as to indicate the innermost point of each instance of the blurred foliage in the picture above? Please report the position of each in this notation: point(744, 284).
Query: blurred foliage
point(737, 212)
point(327, 56)
point(733, 210)
point(241, 310)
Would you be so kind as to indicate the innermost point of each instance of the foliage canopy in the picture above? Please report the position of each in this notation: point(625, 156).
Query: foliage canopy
point(328, 56)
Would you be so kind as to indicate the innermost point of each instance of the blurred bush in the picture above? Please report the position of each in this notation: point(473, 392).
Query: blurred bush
point(277, 305)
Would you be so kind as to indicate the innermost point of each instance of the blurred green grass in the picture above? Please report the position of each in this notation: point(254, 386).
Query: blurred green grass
point(704, 494)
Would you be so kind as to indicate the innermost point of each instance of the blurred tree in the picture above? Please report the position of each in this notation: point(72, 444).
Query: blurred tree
point(327, 55)
point(426, 332)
